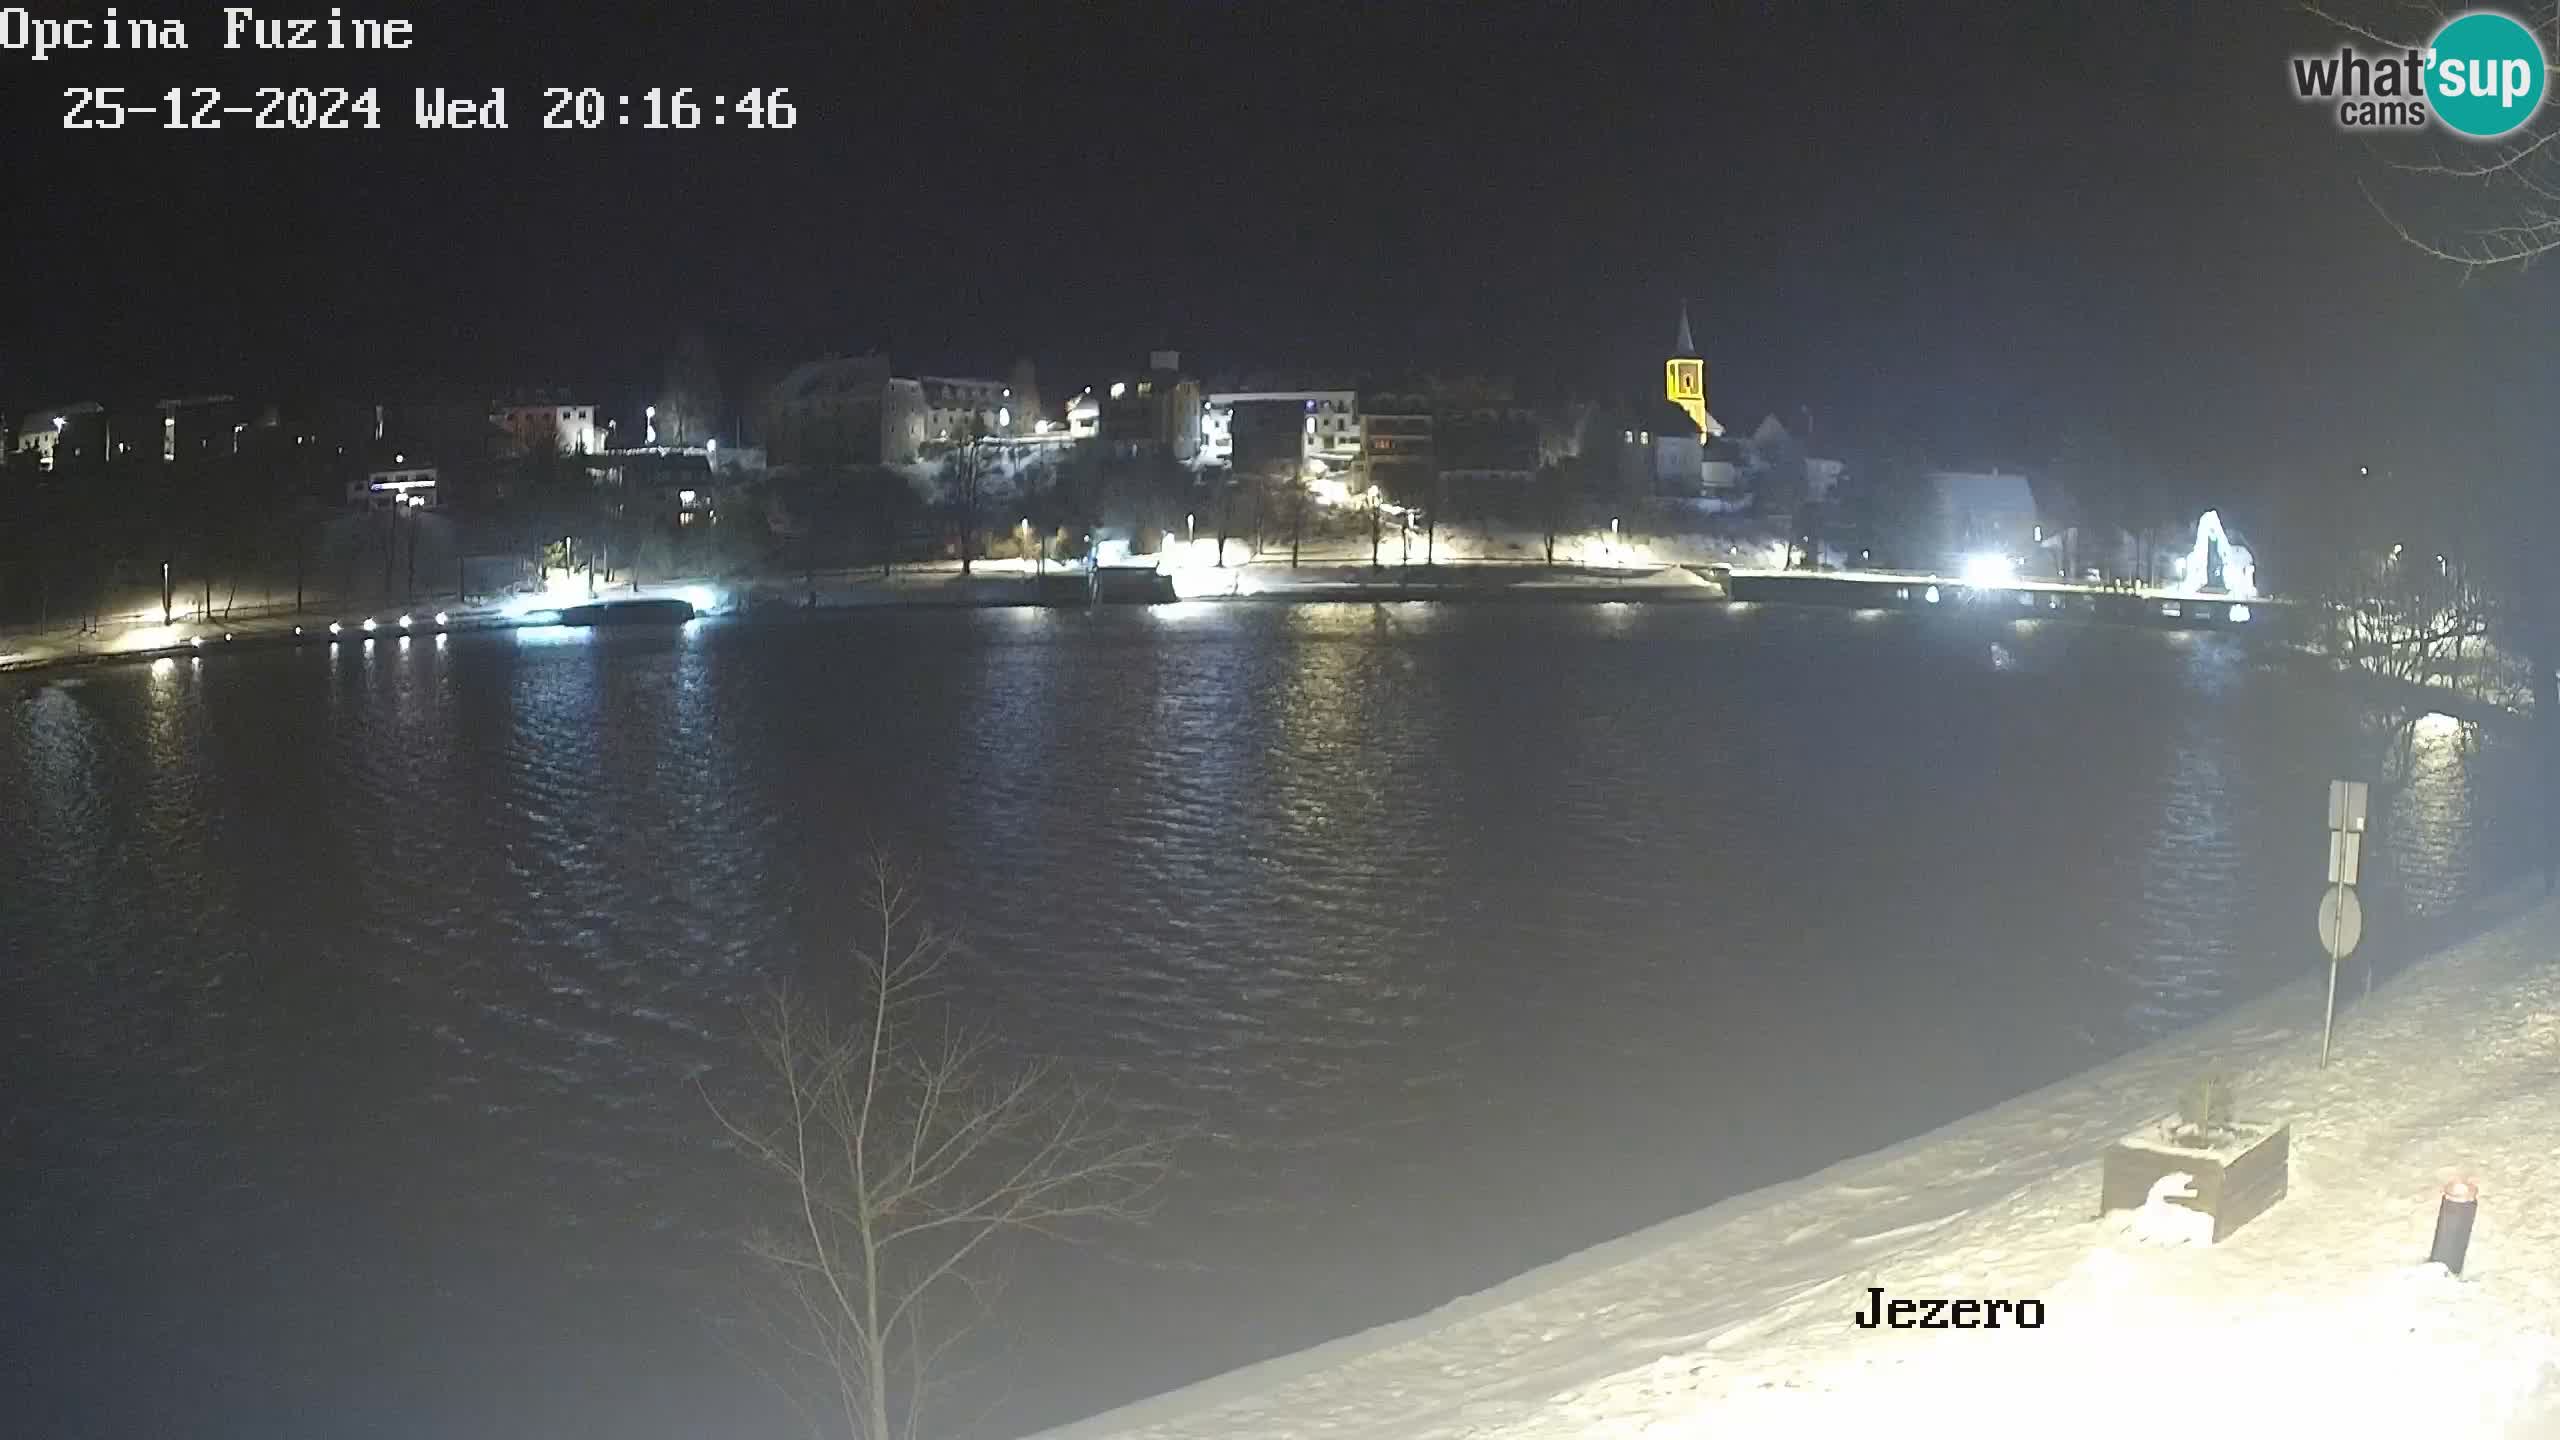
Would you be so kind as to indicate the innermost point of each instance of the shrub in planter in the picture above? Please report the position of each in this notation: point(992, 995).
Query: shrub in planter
point(2236, 1168)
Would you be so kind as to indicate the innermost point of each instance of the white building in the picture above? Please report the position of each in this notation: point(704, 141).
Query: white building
point(568, 428)
point(953, 404)
point(1084, 416)
point(65, 434)
point(38, 435)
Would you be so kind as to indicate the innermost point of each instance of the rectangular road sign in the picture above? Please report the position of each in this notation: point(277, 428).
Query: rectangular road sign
point(2346, 805)
point(2346, 848)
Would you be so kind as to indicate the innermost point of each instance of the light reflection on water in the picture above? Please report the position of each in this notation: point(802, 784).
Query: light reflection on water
point(1464, 935)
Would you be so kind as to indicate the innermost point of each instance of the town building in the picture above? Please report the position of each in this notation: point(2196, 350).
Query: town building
point(956, 409)
point(845, 410)
point(63, 436)
point(400, 480)
point(1663, 452)
point(1483, 439)
point(1778, 470)
point(1084, 416)
point(1320, 427)
point(1397, 455)
point(561, 425)
point(1158, 413)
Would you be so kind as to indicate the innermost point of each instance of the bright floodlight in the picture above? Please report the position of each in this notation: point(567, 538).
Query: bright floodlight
point(368, 624)
point(442, 617)
point(1987, 570)
point(404, 622)
point(702, 598)
point(335, 627)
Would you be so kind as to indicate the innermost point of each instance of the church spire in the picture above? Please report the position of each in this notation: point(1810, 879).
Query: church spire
point(1688, 345)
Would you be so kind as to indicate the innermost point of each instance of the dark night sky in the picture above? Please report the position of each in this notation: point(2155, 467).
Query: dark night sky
point(1980, 227)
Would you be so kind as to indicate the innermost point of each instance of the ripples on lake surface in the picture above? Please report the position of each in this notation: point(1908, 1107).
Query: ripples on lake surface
point(359, 998)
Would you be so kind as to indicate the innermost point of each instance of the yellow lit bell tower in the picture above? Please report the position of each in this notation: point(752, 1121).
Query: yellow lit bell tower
point(1684, 376)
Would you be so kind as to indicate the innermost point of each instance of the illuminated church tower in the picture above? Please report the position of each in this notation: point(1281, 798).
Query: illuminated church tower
point(1684, 378)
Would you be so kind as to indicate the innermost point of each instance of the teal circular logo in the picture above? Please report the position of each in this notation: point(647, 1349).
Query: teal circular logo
point(2484, 75)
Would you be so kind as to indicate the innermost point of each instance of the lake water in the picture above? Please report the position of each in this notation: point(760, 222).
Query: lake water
point(360, 1004)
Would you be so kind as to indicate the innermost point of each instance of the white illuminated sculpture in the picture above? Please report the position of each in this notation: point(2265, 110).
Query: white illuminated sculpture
point(2239, 567)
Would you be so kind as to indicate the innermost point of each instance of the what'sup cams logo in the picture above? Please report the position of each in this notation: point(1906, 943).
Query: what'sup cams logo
point(2481, 77)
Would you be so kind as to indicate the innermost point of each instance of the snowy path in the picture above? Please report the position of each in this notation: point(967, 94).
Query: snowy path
point(2316, 1317)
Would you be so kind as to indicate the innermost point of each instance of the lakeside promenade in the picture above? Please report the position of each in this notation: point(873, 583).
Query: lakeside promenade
point(996, 584)
point(2319, 1317)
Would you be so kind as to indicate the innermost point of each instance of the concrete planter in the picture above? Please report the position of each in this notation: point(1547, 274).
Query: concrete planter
point(2235, 1180)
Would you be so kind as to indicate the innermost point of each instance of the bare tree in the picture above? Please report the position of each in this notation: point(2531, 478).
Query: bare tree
point(907, 1155)
point(2509, 188)
point(1288, 478)
point(965, 478)
point(2497, 205)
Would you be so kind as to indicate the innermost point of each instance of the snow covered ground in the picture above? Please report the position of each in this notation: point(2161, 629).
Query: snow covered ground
point(2317, 1318)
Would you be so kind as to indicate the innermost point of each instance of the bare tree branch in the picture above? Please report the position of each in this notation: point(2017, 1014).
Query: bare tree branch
point(2515, 179)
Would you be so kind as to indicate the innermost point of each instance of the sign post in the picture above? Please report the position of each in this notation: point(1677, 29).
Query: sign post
point(2341, 914)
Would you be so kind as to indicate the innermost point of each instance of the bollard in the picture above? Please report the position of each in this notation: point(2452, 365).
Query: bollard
point(2453, 1225)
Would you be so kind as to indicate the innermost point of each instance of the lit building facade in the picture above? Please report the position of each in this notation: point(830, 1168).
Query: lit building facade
point(568, 428)
point(1326, 424)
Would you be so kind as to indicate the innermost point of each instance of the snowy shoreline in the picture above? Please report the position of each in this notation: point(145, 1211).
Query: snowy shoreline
point(1737, 1318)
